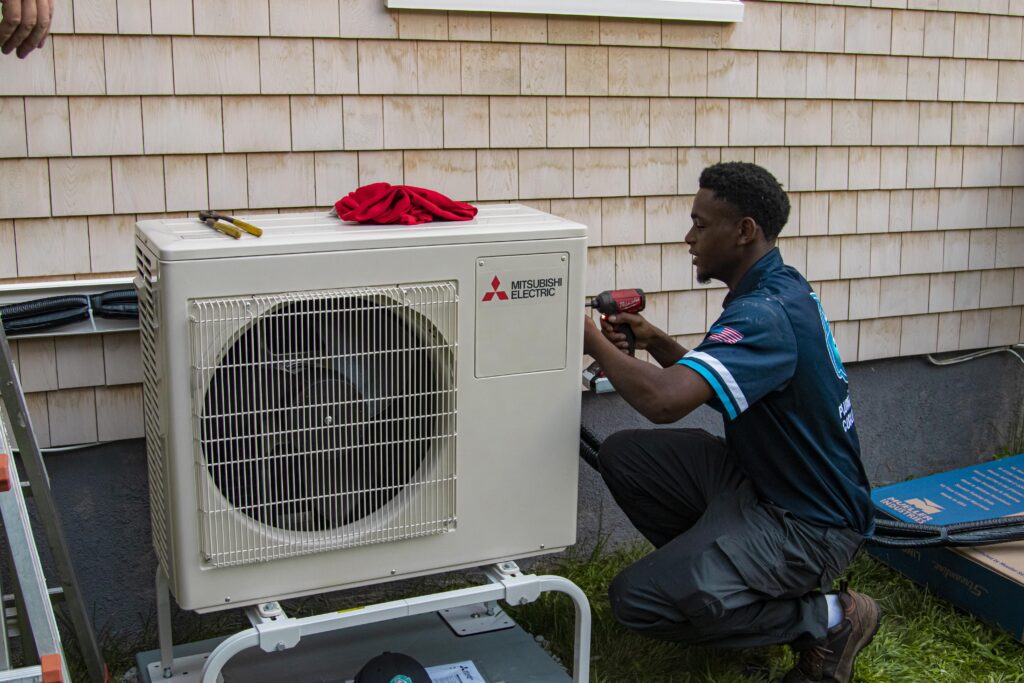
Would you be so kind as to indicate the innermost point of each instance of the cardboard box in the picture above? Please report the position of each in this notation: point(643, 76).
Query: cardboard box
point(986, 581)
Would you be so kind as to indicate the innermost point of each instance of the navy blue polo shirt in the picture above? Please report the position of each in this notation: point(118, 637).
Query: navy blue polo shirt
point(782, 390)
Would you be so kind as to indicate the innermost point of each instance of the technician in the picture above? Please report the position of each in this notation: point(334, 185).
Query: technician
point(751, 531)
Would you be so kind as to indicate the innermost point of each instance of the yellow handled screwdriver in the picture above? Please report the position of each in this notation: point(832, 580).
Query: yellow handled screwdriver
point(207, 216)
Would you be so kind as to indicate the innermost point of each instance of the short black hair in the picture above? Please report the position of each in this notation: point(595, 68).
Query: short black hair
point(752, 190)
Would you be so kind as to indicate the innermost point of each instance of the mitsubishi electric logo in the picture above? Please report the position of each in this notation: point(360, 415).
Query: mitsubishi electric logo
point(926, 506)
point(530, 288)
point(495, 283)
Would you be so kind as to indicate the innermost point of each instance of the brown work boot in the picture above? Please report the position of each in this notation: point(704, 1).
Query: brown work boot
point(831, 659)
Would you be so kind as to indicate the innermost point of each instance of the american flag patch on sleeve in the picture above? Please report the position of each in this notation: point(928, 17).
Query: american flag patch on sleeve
point(725, 334)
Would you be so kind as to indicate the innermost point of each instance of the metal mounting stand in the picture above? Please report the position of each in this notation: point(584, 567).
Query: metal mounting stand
point(274, 631)
point(17, 410)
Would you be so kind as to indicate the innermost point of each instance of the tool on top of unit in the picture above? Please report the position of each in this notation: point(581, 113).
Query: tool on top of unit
point(229, 225)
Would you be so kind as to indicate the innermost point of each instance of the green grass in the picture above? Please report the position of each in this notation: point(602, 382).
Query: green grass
point(921, 640)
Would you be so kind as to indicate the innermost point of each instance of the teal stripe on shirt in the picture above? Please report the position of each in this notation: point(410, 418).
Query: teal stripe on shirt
point(720, 391)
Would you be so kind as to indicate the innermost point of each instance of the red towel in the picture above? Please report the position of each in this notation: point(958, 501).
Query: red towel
point(383, 203)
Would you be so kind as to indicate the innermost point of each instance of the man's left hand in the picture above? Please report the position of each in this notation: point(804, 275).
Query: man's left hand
point(591, 335)
point(25, 25)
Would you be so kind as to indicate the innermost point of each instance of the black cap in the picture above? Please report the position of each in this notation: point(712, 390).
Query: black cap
point(392, 667)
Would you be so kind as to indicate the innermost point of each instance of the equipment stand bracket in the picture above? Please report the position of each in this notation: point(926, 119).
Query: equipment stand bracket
point(274, 631)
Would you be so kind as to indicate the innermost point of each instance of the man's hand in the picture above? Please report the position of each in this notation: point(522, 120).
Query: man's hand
point(644, 332)
point(662, 395)
point(25, 25)
point(591, 335)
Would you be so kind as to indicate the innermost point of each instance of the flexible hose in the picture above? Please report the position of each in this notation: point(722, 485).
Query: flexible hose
point(895, 534)
point(117, 303)
point(44, 313)
point(589, 446)
point(1015, 349)
point(55, 311)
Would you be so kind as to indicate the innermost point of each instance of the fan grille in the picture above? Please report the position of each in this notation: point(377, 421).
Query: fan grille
point(323, 420)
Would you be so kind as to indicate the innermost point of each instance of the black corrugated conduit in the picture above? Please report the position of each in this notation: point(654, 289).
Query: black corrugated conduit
point(121, 304)
point(589, 446)
point(894, 534)
point(56, 311)
point(41, 314)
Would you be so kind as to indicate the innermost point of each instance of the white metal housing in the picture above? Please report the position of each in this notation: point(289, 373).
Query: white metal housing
point(333, 405)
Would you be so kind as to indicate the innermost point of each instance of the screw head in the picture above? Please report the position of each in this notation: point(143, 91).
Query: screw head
point(480, 263)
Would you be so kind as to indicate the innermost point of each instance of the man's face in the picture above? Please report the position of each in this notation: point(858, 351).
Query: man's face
point(713, 237)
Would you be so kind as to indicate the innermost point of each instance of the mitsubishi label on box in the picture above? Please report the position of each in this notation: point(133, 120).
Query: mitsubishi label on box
point(986, 581)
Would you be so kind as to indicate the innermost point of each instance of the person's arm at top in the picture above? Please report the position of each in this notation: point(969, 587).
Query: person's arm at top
point(662, 395)
point(25, 25)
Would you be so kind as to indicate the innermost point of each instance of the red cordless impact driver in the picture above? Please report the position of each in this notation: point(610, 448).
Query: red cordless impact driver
point(621, 301)
point(609, 303)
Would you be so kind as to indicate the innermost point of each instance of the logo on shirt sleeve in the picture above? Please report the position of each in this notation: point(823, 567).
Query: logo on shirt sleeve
point(726, 335)
point(830, 342)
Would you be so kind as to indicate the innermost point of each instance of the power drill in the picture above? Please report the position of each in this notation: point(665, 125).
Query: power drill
point(621, 301)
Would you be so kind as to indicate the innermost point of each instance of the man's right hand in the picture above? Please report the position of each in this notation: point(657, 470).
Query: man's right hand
point(25, 25)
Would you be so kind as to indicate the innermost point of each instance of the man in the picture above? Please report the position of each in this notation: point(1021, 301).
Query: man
point(24, 25)
point(748, 532)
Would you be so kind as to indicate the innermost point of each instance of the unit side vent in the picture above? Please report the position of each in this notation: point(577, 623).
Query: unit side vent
point(155, 446)
point(323, 420)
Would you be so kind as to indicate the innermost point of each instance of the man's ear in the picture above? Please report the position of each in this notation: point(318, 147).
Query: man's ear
point(748, 232)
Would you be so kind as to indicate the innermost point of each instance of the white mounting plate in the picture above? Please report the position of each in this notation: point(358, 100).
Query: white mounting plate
point(469, 620)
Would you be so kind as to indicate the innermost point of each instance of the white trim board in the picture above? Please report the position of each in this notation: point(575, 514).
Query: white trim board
point(690, 10)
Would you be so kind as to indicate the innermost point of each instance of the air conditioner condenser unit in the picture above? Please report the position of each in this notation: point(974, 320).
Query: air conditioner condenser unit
point(333, 405)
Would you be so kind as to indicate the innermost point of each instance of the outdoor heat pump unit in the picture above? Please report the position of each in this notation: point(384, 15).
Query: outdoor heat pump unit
point(333, 405)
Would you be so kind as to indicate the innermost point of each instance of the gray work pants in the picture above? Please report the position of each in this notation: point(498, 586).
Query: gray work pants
point(728, 569)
